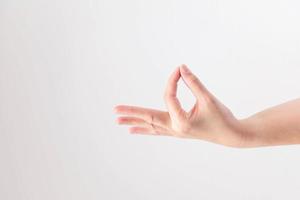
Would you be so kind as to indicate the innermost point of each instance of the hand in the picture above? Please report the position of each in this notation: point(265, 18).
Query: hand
point(208, 120)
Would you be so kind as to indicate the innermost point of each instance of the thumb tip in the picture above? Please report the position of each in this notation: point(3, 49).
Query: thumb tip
point(184, 68)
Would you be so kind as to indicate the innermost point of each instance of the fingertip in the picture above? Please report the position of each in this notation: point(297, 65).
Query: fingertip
point(175, 76)
point(176, 71)
point(132, 130)
point(184, 69)
point(119, 108)
point(183, 65)
point(116, 109)
point(119, 120)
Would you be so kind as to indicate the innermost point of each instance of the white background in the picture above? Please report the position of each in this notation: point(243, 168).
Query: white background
point(65, 64)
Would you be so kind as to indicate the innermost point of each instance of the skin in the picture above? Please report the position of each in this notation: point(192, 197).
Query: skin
point(212, 121)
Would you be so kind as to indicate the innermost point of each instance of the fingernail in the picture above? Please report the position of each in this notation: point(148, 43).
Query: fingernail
point(185, 69)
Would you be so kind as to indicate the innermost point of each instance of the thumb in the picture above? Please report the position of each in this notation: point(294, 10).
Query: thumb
point(191, 80)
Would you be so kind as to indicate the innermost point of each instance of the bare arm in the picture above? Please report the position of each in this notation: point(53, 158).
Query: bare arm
point(210, 120)
point(279, 125)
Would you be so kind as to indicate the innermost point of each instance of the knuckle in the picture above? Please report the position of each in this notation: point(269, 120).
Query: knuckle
point(193, 78)
point(154, 129)
point(150, 120)
point(152, 124)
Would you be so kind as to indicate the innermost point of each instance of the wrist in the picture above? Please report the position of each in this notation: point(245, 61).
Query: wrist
point(251, 132)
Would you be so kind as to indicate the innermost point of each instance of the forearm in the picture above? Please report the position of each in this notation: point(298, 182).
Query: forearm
point(279, 125)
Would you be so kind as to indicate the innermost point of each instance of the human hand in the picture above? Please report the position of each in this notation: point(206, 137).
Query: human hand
point(208, 119)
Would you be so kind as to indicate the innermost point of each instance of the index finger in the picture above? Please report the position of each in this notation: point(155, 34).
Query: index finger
point(172, 102)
